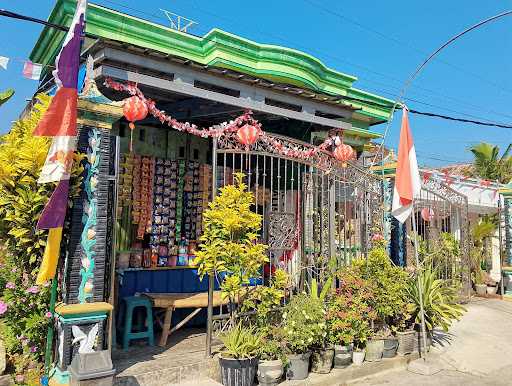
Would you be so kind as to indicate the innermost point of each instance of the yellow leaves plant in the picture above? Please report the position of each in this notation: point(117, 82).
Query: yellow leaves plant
point(229, 244)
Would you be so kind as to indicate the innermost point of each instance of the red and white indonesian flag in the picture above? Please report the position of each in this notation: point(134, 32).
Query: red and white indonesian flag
point(407, 180)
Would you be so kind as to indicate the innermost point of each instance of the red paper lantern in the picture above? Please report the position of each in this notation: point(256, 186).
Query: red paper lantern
point(134, 109)
point(344, 153)
point(427, 214)
point(248, 134)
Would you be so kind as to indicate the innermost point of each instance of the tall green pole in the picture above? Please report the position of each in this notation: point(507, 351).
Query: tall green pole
point(49, 336)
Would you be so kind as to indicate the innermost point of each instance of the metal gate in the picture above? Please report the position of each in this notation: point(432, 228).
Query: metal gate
point(316, 214)
point(445, 211)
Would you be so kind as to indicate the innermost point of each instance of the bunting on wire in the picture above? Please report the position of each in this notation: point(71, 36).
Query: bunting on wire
point(60, 118)
point(59, 122)
point(407, 182)
point(4, 61)
point(32, 70)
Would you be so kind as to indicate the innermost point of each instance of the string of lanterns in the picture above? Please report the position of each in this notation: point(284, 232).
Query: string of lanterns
point(248, 130)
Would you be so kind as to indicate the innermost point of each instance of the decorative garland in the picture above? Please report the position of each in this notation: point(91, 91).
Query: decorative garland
point(225, 127)
point(88, 237)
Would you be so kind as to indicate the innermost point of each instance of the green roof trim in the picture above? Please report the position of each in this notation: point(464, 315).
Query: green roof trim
point(217, 48)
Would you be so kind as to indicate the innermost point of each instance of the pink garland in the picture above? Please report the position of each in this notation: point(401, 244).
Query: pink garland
point(221, 129)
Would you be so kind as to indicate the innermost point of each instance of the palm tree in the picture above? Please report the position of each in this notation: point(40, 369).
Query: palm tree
point(6, 95)
point(489, 165)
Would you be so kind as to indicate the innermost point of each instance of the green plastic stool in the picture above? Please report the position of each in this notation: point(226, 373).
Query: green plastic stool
point(131, 303)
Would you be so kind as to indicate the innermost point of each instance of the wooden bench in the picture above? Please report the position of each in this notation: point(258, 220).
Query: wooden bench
point(171, 301)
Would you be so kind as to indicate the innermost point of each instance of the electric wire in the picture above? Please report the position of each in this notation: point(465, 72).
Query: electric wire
point(408, 83)
point(403, 43)
point(430, 114)
point(329, 55)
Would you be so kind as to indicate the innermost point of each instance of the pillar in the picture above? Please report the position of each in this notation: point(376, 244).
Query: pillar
point(387, 192)
point(83, 317)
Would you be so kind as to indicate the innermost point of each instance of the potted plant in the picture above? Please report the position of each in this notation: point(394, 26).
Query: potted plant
point(439, 301)
point(359, 353)
point(238, 359)
point(303, 326)
point(341, 315)
point(229, 243)
point(349, 314)
point(322, 353)
point(480, 232)
point(375, 347)
point(389, 298)
point(479, 281)
point(403, 328)
point(271, 361)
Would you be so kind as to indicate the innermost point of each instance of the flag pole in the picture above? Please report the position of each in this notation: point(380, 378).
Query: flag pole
point(420, 285)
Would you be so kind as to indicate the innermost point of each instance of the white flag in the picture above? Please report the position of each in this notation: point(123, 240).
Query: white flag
point(32, 70)
point(59, 160)
point(3, 62)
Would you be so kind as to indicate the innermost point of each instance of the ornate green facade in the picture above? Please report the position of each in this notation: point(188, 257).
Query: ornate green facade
point(218, 49)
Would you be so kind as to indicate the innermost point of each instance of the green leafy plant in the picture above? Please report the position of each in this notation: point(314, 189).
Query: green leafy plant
point(241, 342)
point(480, 232)
point(229, 241)
point(389, 281)
point(349, 310)
point(273, 347)
point(327, 287)
point(6, 95)
point(23, 304)
point(490, 165)
point(304, 324)
point(265, 300)
point(439, 300)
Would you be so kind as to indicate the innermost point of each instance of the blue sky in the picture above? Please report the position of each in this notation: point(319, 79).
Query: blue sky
point(380, 42)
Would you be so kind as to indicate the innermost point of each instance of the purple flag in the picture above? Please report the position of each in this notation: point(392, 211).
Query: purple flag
point(68, 61)
point(54, 212)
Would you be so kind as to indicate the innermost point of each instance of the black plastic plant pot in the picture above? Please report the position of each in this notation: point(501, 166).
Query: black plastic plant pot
point(390, 347)
point(238, 372)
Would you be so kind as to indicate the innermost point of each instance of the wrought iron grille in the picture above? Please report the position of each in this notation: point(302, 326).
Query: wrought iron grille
point(448, 212)
point(316, 214)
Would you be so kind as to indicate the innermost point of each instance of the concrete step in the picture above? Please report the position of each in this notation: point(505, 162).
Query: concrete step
point(202, 382)
point(159, 371)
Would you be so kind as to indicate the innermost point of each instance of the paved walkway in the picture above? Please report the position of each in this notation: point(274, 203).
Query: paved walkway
point(477, 351)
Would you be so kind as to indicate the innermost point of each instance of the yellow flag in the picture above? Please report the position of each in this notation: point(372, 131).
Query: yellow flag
point(51, 256)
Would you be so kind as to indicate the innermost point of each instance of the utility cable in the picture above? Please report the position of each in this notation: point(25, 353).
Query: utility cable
point(401, 43)
point(328, 55)
point(408, 83)
point(14, 15)
point(344, 98)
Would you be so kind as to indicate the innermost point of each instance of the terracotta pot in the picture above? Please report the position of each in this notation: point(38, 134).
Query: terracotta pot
point(321, 361)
